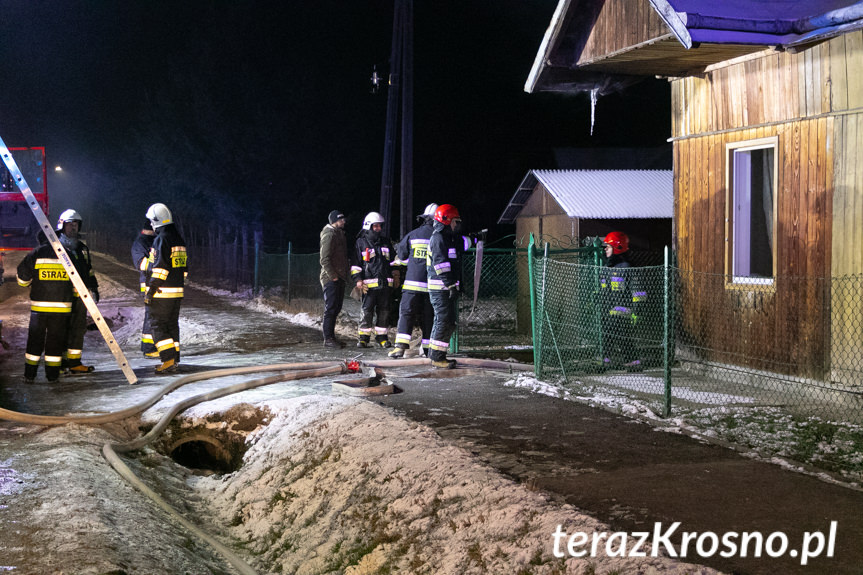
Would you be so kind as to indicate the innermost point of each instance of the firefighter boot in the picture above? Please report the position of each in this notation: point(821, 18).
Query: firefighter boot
point(382, 341)
point(74, 366)
point(398, 352)
point(443, 363)
point(363, 341)
point(79, 369)
point(167, 366)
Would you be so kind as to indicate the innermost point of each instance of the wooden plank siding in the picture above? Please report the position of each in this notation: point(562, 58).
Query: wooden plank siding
point(773, 88)
point(620, 25)
point(812, 103)
point(787, 320)
point(846, 302)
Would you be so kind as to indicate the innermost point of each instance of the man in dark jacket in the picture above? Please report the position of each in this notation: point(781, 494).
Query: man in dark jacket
point(68, 230)
point(443, 266)
point(50, 308)
point(165, 287)
point(334, 274)
point(371, 270)
point(142, 259)
point(411, 252)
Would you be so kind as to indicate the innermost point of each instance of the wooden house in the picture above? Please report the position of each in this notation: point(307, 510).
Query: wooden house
point(767, 129)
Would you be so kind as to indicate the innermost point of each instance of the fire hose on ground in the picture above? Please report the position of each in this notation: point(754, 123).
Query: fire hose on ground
point(299, 371)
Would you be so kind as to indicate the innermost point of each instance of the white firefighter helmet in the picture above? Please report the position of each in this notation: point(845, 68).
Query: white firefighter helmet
point(429, 211)
point(159, 215)
point(372, 218)
point(68, 216)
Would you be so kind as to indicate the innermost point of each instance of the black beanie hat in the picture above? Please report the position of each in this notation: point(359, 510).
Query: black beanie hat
point(335, 216)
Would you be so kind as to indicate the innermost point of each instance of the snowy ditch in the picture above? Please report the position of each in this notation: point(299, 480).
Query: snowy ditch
point(331, 484)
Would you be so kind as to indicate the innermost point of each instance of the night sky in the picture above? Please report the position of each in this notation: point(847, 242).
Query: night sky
point(260, 112)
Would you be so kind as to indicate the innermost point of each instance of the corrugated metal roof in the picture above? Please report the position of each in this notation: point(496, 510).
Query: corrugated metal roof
point(600, 194)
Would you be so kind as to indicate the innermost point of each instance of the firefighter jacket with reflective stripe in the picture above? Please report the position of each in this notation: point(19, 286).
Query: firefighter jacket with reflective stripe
point(372, 261)
point(622, 292)
point(412, 251)
point(50, 287)
point(142, 257)
point(443, 262)
point(169, 264)
point(79, 253)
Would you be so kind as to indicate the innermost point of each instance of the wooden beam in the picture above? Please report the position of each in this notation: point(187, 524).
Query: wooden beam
point(672, 19)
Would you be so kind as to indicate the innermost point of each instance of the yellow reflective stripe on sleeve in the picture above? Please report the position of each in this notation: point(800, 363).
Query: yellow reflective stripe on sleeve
point(160, 273)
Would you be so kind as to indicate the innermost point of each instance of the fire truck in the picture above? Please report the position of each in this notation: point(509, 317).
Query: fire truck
point(18, 227)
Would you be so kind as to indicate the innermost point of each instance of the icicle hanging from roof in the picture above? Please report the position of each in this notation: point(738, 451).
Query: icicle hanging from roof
point(593, 96)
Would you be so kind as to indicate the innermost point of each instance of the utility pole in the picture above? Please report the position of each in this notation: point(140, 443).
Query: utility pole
point(399, 107)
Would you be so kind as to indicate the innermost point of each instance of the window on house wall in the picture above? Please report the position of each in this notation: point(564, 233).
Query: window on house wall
point(752, 199)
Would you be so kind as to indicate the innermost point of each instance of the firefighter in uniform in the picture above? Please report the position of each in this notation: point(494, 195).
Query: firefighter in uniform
point(165, 287)
point(411, 252)
point(50, 308)
point(142, 259)
point(443, 265)
point(372, 264)
point(68, 228)
point(620, 295)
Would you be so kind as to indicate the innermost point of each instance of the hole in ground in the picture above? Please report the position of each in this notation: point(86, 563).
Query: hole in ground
point(205, 454)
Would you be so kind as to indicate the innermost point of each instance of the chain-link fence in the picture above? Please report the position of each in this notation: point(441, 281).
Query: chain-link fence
point(680, 338)
point(295, 276)
point(497, 320)
point(489, 316)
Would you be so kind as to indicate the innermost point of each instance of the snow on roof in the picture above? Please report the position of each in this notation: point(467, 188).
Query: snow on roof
point(600, 194)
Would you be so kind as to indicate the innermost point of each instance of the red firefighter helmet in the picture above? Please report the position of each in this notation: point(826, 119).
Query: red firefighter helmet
point(446, 213)
point(618, 241)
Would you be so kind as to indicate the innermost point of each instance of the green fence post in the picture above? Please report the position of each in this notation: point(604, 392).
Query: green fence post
point(256, 282)
point(531, 274)
point(597, 289)
point(453, 339)
point(666, 335)
point(290, 259)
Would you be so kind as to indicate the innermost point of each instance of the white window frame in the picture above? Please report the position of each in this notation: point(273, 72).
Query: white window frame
point(737, 238)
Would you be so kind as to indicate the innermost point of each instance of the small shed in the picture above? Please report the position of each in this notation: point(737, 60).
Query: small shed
point(565, 206)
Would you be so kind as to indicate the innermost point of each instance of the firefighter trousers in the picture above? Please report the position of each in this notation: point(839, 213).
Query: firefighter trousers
point(75, 334)
point(415, 305)
point(444, 323)
point(147, 343)
point(47, 333)
point(165, 320)
point(376, 314)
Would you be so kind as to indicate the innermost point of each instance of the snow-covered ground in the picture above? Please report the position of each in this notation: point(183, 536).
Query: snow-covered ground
point(329, 484)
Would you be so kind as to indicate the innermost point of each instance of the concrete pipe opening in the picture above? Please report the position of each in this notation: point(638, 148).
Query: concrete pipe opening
point(204, 453)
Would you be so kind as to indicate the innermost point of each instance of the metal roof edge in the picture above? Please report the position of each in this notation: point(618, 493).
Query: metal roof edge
point(672, 19)
point(545, 48)
point(509, 219)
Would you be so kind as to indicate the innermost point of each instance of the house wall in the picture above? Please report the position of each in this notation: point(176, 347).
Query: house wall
point(812, 102)
point(543, 217)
